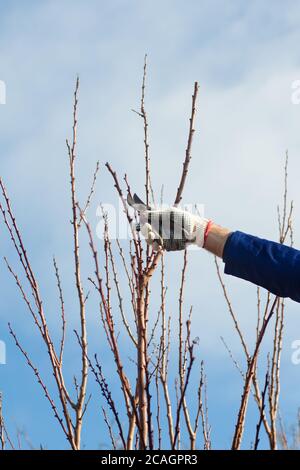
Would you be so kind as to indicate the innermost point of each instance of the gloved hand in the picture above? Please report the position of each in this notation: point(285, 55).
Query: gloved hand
point(171, 229)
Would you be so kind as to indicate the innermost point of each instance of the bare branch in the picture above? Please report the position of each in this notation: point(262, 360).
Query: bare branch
point(189, 147)
point(256, 442)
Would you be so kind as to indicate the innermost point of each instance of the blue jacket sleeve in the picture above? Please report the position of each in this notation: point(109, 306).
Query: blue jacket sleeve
point(265, 263)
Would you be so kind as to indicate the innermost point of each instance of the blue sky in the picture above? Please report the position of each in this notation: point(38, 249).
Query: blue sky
point(245, 57)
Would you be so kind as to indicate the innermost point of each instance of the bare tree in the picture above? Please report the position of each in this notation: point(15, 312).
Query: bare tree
point(68, 411)
point(273, 308)
point(154, 409)
point(144, 427)
point(4, 435)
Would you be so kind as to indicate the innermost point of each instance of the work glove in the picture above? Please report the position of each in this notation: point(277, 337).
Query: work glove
point(171, 229)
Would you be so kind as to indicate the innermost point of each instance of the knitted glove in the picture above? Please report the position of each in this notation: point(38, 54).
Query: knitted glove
point(171, 229)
